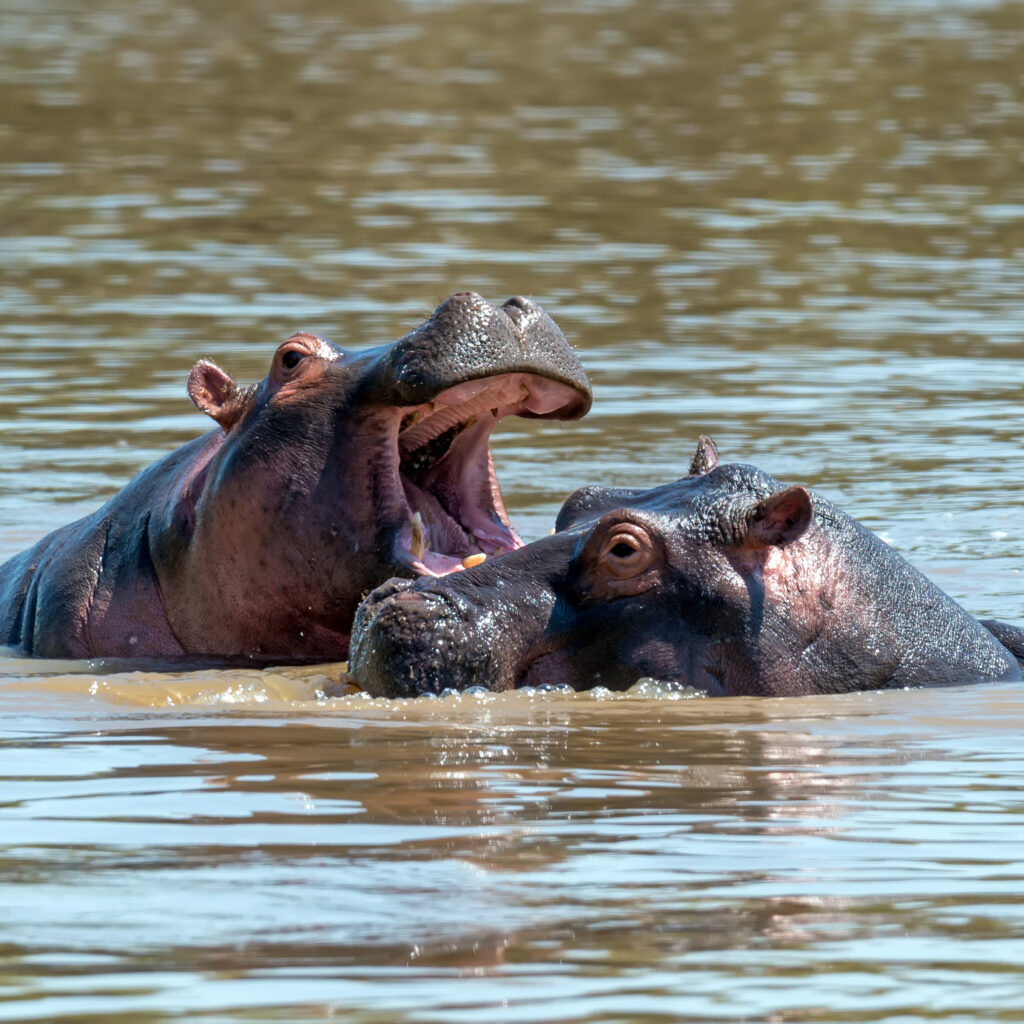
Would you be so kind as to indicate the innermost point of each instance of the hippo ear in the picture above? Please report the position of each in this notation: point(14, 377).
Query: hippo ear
point(212, 391)
point(780, 519)
point(706, 457)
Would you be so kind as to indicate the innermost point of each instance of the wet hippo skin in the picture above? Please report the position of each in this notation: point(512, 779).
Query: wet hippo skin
point(337, 471)
point(726, 580)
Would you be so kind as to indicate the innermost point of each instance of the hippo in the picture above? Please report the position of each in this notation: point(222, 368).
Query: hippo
point(338, 470)
point(727, 581)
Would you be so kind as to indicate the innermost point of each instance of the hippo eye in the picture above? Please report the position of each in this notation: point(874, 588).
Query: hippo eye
point(621, 557)
point(292, 358)
point(627, 552)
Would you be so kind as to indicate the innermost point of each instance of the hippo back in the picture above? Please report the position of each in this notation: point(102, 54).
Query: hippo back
point(95, 577)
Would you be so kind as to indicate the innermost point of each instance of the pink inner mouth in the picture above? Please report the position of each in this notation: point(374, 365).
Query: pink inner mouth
point(446, 474)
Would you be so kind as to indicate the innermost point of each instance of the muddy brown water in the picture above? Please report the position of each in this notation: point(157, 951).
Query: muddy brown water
point(798, 226)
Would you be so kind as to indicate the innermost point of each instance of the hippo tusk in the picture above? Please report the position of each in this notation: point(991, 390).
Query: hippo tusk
point(416, 545)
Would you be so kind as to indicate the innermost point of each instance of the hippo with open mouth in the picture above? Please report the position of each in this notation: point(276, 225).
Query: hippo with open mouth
point(337, 471)
point(727, 581)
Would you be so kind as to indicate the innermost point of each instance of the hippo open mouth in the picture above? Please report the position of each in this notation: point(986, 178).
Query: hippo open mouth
point(456, 516)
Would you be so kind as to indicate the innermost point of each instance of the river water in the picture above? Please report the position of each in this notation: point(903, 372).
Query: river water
point(798, 226)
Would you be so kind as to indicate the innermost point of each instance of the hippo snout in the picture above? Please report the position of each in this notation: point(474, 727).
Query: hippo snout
point(408, 640)
point(399, 639)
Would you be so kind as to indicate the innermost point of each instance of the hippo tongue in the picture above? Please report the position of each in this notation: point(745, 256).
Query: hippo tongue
point(465, 486)
point(458, 511)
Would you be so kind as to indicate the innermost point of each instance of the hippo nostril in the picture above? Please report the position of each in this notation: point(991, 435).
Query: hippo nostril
point(515, 307)
point(387, 590)
point(413, 596)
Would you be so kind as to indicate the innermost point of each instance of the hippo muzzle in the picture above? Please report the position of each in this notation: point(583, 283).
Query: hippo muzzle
point(414, 641)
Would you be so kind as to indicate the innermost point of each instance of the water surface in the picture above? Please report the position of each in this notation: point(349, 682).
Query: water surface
point(796, 226)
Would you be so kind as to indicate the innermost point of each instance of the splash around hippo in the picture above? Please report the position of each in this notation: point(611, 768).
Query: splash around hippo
point(726, 580)
point(337, 471)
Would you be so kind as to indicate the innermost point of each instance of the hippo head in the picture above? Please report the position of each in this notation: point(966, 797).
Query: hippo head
point(341, 469)
point(668, 583)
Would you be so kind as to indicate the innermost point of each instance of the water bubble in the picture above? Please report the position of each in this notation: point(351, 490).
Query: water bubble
point(648, 687)
point(564, 688)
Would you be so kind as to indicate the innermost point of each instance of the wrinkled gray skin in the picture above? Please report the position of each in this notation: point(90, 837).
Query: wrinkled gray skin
point(726, 581)
point(260, 538)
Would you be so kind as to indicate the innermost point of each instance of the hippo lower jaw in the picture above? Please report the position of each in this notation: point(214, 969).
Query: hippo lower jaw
point(446, 488)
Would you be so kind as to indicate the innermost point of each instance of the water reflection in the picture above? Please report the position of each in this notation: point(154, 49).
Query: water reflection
point(588, 839)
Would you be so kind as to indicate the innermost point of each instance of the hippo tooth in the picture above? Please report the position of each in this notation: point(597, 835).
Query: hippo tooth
point(470, 560)
point(416, 545)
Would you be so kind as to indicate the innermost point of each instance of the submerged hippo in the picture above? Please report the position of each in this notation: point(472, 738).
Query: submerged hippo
point(337, 471)
point(726, 580)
